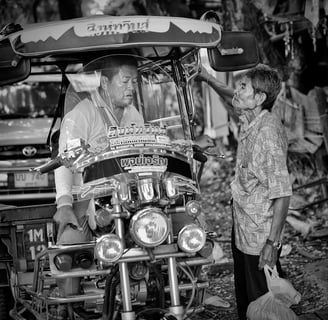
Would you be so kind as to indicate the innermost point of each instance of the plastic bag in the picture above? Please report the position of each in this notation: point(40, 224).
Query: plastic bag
point(274, 305)
point(281, 288)
point(267, 307)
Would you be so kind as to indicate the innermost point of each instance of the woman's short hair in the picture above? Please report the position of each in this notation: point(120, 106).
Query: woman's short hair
point(267, 80)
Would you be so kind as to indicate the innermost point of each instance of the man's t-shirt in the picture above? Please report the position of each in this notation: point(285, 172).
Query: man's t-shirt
point(86, 122)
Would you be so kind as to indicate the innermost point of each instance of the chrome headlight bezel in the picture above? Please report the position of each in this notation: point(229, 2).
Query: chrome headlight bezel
point(140, 221)
point(185, 244)
point(108, 240)
point(193, 208)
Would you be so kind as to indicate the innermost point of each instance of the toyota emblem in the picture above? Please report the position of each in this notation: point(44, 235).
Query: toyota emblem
point(29, 151)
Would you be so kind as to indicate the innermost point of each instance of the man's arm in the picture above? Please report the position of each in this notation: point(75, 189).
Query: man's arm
point(225, 92)
point(269, 252)
point(64, 215)
point(64, 177)
point(273, 173)
point(280, 211)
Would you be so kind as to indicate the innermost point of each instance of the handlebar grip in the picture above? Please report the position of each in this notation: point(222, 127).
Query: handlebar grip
point(199, 154)
point(49, 166)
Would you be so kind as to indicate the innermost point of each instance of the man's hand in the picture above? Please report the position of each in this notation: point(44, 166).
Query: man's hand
point(65, 216)
point(268, 256)
point(204, 142)
point(203, 74)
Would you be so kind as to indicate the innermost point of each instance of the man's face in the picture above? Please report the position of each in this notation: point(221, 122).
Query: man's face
point(244, 97)
point(122, 86)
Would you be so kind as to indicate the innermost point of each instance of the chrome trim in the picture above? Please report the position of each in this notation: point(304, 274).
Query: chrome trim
point(28, 196)
point(29, 151)
point(160, 151)
point(188, 286)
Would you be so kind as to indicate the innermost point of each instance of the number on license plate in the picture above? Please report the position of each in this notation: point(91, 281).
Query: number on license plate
point(30, 180)
point(35, 240)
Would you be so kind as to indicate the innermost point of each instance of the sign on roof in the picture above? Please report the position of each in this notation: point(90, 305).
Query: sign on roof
point(101, 32)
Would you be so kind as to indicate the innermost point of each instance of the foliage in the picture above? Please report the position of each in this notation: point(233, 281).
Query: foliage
point(15, 11)
point(23, 12)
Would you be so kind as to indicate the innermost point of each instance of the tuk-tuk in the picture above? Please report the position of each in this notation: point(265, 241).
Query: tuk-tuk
point(140, 263)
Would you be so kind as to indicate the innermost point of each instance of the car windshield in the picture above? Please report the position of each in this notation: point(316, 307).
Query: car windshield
point(35, 97)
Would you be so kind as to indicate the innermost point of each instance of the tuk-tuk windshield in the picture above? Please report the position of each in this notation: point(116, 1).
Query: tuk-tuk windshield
point(119, 91)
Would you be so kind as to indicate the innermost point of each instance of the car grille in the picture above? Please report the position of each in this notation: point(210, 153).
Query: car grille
point(16, 152)
point(25, 191)
point(19, 185)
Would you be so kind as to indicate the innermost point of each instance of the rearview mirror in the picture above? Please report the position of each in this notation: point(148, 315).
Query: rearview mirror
point(13, 68)
point(237, 50)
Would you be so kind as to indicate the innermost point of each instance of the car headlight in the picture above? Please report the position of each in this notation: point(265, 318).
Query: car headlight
point(191, 238)
point(149, 227)
point(109, 248)
point(3, 179)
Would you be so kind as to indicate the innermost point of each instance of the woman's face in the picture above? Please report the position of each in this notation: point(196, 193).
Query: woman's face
point(122, 86)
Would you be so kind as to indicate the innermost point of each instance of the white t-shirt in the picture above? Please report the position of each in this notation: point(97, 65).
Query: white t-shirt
point(87, 123)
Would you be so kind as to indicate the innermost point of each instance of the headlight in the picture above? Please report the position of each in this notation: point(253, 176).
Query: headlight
point(3, 179)
point(63, 262)
point(191, 238)
point(84, 259)
point(109, 248)
point(193, 208)
point(149, 227)
point(103, 218)
point(138, 270)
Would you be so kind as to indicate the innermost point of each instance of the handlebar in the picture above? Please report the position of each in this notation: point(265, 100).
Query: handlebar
point(49, 166)
point(77, 150)
point(199, 154)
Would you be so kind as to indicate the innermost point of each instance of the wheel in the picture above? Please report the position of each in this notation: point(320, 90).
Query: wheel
point(154, 314)
point(6, 303)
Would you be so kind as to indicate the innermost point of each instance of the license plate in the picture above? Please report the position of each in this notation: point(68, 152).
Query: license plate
point(35, 240)
point(30, 180)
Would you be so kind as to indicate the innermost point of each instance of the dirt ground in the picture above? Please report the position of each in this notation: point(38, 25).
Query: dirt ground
point(308, 276)
point(305, 250)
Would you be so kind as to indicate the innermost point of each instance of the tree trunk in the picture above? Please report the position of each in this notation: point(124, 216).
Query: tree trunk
point(69, 9)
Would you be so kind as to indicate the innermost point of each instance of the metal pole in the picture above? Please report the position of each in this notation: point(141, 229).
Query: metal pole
point(127, 312)
point(175, 307)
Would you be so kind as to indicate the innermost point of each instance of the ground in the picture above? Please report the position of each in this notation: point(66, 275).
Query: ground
point(305, 260)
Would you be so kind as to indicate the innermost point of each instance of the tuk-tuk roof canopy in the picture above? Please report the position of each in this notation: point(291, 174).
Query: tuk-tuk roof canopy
point(114, 32)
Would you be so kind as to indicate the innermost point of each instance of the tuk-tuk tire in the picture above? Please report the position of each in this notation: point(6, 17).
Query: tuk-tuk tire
point(6, 302)
point(154, 314)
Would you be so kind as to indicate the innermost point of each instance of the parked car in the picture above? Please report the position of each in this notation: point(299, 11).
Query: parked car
point(26, 111)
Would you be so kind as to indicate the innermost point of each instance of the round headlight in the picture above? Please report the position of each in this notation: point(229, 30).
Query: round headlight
point(193, 208)
point(149, 227)
point(109, 248)
point(63, 262)
point(103, 218)
point(191, 238)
